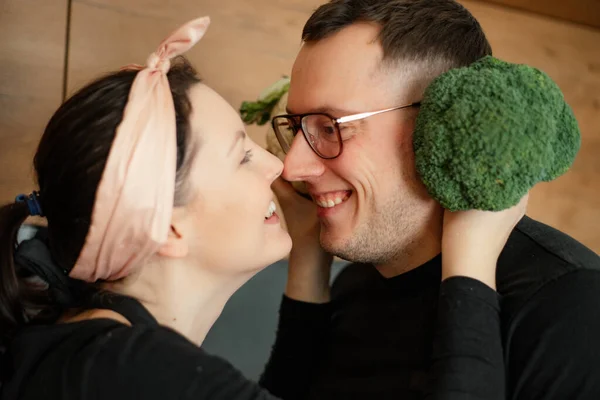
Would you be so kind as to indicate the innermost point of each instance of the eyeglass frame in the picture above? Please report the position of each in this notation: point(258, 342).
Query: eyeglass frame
point(336, 123)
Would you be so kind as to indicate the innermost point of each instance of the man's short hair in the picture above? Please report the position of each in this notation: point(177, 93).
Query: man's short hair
point(435, 35)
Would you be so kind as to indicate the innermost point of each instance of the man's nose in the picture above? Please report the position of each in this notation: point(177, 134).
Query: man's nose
point(301, 162)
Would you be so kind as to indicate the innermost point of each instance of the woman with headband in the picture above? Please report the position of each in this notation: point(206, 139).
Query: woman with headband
point(159, 208)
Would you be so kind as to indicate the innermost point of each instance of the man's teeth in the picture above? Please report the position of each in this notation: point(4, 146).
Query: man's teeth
point(330, 202)
point(271, 210)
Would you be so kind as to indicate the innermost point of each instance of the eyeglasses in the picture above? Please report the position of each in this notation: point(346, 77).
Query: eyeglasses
point(324, 134)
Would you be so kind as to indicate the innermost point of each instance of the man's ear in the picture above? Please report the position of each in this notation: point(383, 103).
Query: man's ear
point(176, 246)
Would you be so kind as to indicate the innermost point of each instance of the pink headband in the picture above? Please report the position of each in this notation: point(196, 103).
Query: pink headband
point(134, 201)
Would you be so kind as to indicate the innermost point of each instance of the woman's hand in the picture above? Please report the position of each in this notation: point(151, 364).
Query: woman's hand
point(473, 240)
point(309, 264)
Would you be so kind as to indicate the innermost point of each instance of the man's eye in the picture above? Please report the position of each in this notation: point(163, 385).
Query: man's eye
point(347, 131)
point(328, 130)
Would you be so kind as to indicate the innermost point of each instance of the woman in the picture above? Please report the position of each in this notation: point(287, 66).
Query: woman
point(159, 207)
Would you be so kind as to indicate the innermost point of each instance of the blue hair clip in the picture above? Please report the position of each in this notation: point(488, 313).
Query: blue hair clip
point(33, 203)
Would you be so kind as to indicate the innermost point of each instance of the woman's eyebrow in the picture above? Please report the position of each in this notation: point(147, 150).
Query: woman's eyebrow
point(240, 135)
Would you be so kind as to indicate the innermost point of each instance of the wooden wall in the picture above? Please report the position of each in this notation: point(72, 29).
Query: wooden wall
point(247, 48)
point(585, 12)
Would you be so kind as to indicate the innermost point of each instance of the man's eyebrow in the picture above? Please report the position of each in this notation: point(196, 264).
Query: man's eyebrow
point(240, 135)
point(333, 111)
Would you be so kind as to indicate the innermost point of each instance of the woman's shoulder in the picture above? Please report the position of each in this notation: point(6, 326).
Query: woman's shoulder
point(157, 362)
point(110, 358)
point(144, 351)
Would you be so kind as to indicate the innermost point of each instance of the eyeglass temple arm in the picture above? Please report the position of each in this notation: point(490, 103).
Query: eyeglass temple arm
point(355, 117)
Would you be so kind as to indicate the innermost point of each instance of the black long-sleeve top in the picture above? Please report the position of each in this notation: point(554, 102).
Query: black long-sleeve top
point(104, 359)
point(404, 338)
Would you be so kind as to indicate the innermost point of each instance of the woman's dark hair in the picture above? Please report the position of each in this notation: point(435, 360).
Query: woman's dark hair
point(69, 163)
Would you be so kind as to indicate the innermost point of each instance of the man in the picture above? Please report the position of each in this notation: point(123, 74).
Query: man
point(380, 55)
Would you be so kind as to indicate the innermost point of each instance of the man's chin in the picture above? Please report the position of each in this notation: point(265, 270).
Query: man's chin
point(336, 245)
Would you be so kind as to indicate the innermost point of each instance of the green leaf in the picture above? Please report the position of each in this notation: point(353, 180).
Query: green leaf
point(259, 112)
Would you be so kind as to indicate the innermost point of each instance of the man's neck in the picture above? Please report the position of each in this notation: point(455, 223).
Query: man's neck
point(423, 246)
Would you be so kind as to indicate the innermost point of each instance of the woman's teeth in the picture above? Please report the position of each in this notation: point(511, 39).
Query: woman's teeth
point(271, 210)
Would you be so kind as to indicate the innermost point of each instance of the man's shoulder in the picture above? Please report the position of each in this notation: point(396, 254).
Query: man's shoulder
point(535, 255)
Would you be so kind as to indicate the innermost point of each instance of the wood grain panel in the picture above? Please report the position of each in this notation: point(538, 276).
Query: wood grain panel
point(244, 51)
point(585, 12)
point(32, 45)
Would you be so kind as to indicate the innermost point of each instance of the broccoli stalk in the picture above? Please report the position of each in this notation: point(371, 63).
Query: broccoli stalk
point(487, 133)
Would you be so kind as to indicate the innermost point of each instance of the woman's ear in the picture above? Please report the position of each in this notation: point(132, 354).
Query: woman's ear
point(176, 246)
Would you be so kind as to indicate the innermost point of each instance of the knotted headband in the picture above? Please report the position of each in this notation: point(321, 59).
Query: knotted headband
point(132, 211)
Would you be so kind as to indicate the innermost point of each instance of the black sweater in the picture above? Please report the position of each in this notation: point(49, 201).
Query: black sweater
point(103, 359)
point(383, 340)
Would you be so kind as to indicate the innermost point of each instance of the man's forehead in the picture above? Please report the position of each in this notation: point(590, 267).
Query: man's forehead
point(344, 71)
point(339, 88)
point(353, 48)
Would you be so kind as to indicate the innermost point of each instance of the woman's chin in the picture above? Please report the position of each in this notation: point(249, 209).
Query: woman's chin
point(278, 248)
point(274, 248)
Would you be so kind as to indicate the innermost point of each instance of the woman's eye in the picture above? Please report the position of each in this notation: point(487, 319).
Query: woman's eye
point(247, 157)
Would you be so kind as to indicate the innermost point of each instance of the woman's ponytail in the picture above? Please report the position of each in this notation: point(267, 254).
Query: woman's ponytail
point(12, 310)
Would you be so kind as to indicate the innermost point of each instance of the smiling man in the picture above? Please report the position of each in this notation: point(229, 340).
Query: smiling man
point(353, 101)
point(379, 57)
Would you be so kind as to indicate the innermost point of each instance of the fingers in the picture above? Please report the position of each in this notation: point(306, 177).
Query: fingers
point(523, 203)
point(519, 209)
point(287, 194)
point(283, 189)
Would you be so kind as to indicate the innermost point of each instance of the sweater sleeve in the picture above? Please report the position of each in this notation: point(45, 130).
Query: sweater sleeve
point(467, 354)
point(299, 344)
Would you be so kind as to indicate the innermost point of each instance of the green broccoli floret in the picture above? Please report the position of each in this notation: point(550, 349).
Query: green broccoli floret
point(487, 133)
